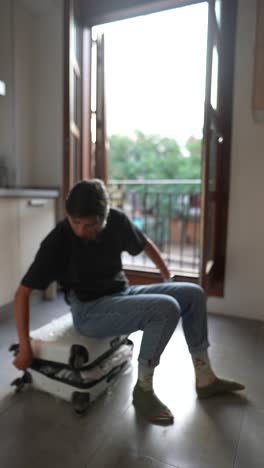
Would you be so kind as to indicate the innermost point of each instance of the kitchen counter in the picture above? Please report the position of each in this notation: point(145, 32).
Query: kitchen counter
point(27, 215)
point(27, 192)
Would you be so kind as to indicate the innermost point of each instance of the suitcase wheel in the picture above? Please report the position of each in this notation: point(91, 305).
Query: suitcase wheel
point(80, 402)
point(18, 384)
point(21, 381)
point(14, 348)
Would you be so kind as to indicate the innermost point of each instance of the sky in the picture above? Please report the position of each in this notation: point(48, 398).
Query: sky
point(155, 73)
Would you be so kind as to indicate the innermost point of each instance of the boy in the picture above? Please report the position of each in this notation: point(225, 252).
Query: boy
point(83, 253)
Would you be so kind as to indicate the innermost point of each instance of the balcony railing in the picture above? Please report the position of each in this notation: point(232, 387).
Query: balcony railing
point(168, 212)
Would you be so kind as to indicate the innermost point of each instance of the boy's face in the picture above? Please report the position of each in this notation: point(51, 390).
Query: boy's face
point(86, 228)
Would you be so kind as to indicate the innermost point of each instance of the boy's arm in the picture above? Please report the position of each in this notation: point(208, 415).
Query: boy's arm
point(25, 355)
point(152, 251)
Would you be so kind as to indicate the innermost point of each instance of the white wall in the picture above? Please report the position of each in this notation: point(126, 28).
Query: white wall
point(244, 290)
point(23, 63)
point(7, 147)
point(48, 105)
point(31, 119)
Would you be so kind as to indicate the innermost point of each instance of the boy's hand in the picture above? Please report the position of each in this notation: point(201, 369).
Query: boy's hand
point(24, 358)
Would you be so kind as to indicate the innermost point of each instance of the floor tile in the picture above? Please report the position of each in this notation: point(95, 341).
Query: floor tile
point(250, 451)
point(39, 430)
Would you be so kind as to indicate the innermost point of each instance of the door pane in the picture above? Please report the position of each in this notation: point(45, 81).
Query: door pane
point(214, 82)
point(218, 12)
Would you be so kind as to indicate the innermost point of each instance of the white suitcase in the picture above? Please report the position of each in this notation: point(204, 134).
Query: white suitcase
point(58, 341)
point(73, 367)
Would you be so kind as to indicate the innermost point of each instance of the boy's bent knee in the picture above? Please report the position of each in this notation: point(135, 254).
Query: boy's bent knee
point(195, 291)
point(170, 309)
point(198, 292)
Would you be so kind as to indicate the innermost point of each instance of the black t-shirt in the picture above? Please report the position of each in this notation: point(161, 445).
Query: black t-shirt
point(90, 268)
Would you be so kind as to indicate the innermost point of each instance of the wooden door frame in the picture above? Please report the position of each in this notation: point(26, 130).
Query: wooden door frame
point(213, 281)
point(97, 12)
point(85, 125)
point(66, 102)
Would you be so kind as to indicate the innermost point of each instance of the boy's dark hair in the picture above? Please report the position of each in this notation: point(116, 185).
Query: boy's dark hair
point(88, 198)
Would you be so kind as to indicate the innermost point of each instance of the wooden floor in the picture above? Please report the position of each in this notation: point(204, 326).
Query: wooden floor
point(36, 430)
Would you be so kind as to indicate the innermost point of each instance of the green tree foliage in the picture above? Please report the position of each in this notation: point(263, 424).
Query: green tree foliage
point(193, 162)
point(147, 157)
point(153, 157)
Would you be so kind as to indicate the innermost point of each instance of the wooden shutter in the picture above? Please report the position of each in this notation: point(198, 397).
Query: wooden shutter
point(100, 157)
point(77, 96)
point(217, 142)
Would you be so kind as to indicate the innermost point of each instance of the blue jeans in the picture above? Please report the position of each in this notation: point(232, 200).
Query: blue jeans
point(155, 309)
